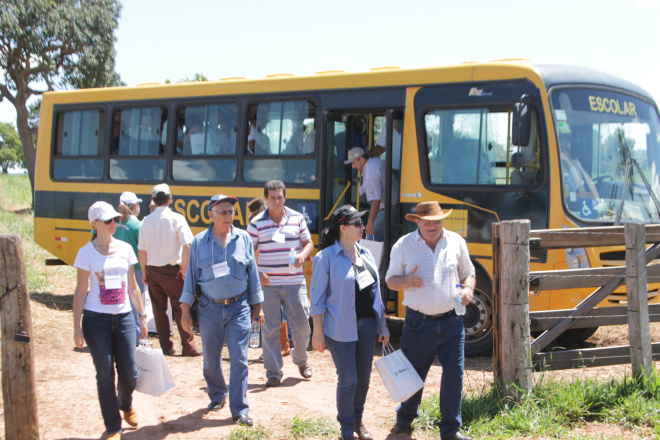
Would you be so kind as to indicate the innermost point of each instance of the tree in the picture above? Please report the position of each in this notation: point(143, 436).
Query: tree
point(54, 44)
point(11, 151)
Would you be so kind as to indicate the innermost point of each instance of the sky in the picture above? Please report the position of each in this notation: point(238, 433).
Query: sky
point(159, 40)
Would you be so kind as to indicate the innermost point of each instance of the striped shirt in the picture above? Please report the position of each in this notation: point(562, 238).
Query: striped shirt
point(273, 259)
point(440, 270)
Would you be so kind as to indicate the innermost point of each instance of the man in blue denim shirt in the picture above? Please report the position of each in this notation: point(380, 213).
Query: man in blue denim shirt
point(222, 265)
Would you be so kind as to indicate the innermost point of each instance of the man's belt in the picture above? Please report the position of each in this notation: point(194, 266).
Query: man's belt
point(434, 317)
point(224, 301)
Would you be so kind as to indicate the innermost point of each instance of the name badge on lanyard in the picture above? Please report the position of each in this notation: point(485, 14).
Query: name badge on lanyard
point(113, 281)
point(365, 279)
point(220, 269)
point(278, 236)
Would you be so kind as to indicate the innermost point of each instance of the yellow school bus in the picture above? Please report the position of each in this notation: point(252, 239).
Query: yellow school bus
point(559, 145)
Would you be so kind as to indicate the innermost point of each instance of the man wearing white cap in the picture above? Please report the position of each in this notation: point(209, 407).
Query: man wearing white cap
point(163, 249)
point(373, 187)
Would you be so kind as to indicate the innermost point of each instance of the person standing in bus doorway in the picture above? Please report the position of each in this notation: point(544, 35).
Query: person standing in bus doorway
point(128, 230)
point(277, 233)
point(163, 248)
point(429, 265)
point(222, 267)
point(373, 186)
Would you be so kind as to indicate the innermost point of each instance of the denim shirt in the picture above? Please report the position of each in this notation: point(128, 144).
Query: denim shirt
point(205, 251)
point(332, 293)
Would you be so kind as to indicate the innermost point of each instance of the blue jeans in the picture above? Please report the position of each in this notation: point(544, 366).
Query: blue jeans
point(230, 322)
point(111, 341)
point(422, 340)
point(293, 300)
point(138, 278)
point(353, 361)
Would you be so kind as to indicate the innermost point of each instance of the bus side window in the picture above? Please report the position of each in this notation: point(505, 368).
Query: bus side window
point(79, 145)
point(206, 143)
point(138, 145)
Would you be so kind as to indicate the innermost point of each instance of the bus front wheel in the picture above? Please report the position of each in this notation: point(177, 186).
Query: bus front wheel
point(478, 320)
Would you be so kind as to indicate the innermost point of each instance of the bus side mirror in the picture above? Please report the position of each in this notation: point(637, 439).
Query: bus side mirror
point(522, 123)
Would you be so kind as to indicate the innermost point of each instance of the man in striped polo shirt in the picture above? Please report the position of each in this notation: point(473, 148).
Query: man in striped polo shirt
point(275, 232)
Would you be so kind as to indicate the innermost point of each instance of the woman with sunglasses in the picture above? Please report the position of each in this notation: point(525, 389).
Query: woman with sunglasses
point(348, 313)
point(105, 264)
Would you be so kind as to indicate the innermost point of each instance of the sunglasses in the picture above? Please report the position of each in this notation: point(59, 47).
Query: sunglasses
point(115, 219)
point(357, 223)
point(224, 212)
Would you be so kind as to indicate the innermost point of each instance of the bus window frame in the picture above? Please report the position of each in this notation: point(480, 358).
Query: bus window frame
point(242, 146)
point(425, 173)
point(205, 101)
point(59, 109)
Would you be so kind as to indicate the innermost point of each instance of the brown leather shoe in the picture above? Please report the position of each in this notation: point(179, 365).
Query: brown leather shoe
point(131, 417)
point(362, 432)
point(305, 371)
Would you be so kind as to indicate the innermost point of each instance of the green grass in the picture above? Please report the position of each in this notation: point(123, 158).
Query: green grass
point(15, 196)
point(554, 408)
point(245, 433)
point(316, 428)
point(16, 191)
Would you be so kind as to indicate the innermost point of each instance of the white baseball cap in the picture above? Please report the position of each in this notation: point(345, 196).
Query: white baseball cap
point(129, 198)
point(354, 153)
point(161, 188)
point(101, 211)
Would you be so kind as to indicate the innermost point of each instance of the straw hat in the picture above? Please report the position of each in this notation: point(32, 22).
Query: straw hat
point(430, 211)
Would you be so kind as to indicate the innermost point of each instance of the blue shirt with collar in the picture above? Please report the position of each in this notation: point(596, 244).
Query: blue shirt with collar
point(205, 251)
point(332, 293)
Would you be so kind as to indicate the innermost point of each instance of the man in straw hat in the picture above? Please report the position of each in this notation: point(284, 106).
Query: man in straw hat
point(431, 265)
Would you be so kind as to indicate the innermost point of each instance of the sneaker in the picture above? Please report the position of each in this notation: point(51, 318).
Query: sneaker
point(131, 417)
point(272, 382)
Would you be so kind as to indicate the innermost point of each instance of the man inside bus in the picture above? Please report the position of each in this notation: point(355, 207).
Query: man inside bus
point(373, 187)
point(258, 141)
point(193, 141)
point(220, 135)
point(380, 148)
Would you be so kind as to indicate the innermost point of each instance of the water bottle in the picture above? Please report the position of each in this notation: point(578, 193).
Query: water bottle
point(458, 297)
point(292, 260)
point(255, 333)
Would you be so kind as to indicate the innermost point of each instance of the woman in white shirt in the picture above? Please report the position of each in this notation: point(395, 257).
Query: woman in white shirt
point(105, 264)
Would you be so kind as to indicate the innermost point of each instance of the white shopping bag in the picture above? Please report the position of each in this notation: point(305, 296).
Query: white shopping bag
point(153, 375)
point(375, 247)
point(398, 375)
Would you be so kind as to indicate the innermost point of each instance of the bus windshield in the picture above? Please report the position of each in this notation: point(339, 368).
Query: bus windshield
point(609, 147)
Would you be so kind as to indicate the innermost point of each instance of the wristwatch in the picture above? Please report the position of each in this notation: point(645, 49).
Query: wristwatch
point(142, 315)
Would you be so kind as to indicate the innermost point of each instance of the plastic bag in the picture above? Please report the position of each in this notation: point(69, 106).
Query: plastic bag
point(153, 374)
point(398, 374)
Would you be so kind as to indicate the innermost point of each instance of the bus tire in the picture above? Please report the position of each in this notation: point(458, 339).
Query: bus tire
point(478, 320)
point(576, 335)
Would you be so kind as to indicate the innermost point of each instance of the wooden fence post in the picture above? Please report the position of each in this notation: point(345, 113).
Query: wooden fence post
point(18, 390)
point(515, 360)
point(639, 331)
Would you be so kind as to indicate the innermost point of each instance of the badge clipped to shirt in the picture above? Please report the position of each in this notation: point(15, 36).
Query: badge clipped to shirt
point(365, 279)
point(278, 236)
point(220, 269)
point(113, 281)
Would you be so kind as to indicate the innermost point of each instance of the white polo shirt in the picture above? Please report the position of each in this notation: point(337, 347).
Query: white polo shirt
point(440, 270)
point(373, 181)
point(162, 235)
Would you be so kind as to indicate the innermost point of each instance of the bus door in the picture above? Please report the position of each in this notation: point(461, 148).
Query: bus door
point(378, 131)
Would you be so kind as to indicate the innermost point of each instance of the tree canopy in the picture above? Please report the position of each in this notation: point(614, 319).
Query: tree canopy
point(11, 151)
point(54, 44)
